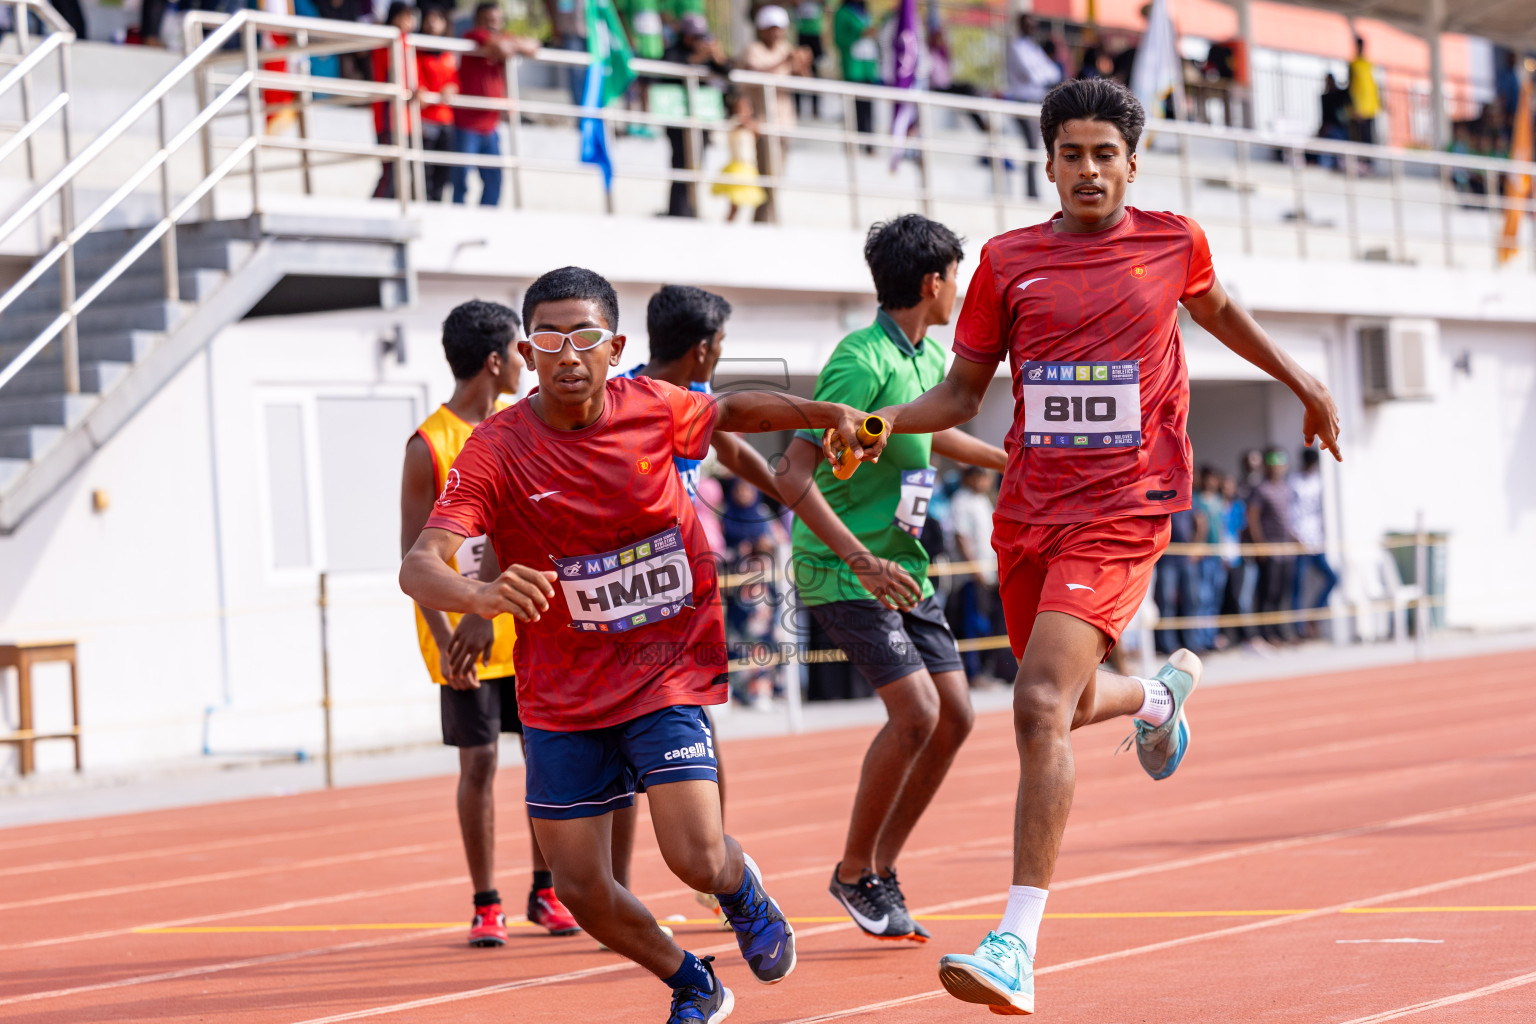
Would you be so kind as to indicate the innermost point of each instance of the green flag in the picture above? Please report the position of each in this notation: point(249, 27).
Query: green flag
point(609, 47)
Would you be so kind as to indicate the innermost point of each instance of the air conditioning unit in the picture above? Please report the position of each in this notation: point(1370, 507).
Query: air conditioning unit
point(1397, 358)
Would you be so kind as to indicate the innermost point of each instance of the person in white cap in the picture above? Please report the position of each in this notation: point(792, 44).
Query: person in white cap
point(772, 53)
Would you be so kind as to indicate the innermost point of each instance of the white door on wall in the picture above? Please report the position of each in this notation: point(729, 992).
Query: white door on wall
point(332, 462)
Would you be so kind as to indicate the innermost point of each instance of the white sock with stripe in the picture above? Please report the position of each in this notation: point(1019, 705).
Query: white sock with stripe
point(1026, 907)
point(1156, 701)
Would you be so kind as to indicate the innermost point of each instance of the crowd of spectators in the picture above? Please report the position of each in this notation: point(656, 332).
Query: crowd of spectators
point(1264, 503)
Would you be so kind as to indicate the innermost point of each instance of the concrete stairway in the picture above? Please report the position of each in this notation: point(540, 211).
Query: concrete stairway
point(132, 341)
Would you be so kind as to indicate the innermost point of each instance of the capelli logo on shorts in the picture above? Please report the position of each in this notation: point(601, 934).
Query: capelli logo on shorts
point(687, 753)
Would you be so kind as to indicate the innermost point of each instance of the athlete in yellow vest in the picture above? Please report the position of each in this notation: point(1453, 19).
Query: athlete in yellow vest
point(469, 657)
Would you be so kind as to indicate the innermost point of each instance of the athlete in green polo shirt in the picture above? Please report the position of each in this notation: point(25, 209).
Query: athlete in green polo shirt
point(865, 577)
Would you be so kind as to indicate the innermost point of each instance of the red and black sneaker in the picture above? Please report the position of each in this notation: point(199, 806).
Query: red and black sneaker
point(546, 910)
point(489, 928)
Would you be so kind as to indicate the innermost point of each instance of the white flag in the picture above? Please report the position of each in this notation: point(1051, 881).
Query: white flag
point(1158, 73)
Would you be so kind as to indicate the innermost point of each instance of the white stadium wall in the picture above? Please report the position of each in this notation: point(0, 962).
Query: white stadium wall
point(193, 594)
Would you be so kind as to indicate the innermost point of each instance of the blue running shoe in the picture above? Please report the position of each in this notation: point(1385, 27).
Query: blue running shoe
point(999, 975)
point(1161, 748)
point(695, 1006)
point(767, 941)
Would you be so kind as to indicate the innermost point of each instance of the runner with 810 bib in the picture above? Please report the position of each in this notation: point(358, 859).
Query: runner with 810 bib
point(1085, 307)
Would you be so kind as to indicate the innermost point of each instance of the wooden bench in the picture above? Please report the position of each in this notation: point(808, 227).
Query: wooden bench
point(22, 657)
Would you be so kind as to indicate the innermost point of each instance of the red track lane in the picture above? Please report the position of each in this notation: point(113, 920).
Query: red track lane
point(1357, 803)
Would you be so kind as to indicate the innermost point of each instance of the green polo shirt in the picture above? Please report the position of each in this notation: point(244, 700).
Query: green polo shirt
point(870, 369)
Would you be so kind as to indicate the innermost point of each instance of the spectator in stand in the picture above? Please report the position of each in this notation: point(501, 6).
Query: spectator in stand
point(1270, 522)
point(355, 66)
point(1364, 100)
point(941, 74)
point(970, 515)
point(1307, 520)
point(810, 24)
point(483, 72)
point(1334, 123)
point(1210, 569)
point(1237, 598)
point(772, 53)
point(401, 16)
point(697, 47)
point(1031, 74)
point(437, 71)
point(568, 21)
point(858, 53)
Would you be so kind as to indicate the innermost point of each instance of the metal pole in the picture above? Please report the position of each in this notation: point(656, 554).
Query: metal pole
point(303, 119)
point(400, 123)
point(200, 81)
point(168, 240)
point(775, 149)
point(693, 143)
point(71, 339)
point(1351, 169)
point(1445, 199)
point(254, 118)
point(851, 159)
point(514, 161)
point(999, 174)
point(418, 139)
point(1242, 197)
point(1421, 577)
point(924, 171)
point(1439, 122)
point(1298, 163)
point(1399, 229)
point(20, 15)
point(325, 686)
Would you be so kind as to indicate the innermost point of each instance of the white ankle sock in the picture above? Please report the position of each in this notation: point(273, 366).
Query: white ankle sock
point(1156, 701)
point(1026, 906)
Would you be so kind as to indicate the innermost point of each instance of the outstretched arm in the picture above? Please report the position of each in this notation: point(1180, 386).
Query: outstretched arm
point(741, 459)
point(888, 582)
point(756, 412)
point(951, 402)
point(1220, 314)
point(956, 444)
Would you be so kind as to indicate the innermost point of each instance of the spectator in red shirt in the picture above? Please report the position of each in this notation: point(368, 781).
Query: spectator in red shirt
point(403, 17)
point(436, 72)
point(483, 72)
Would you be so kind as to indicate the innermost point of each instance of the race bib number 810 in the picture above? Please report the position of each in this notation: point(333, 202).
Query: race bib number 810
point(1082, 405)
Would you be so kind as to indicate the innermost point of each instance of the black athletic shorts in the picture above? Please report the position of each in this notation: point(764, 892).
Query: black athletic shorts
point(884, 644)
point(473, 718)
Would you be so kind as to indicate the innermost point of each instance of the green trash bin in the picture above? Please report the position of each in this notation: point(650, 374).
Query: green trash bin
point(1403, 553)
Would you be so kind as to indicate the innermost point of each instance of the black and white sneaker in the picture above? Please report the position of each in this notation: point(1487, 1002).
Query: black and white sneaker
point(919, 933)
point(695, 1006)
point(872, 907)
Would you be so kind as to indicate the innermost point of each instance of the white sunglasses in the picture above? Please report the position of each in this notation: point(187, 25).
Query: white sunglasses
point(581, 341)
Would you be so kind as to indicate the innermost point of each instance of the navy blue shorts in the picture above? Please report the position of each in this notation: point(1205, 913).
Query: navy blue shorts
point(584, 774)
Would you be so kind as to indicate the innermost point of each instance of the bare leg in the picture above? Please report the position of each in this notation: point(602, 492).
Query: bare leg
point(929, 769)
point(912, 714)
point(686, 817)
point(623, 842)
point(579, 854)
point(1059, 688)
point(477, 813)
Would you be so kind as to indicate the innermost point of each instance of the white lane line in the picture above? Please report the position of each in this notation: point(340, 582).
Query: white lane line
point(1220, 933)
point(193, 972)
point(1359, 942)
point(1435, 1004)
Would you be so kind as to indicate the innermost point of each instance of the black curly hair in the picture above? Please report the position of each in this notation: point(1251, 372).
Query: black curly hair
point(473, 331)
point(1091, 99)
point(902, 251)
point(679, 316)
point(573, 283)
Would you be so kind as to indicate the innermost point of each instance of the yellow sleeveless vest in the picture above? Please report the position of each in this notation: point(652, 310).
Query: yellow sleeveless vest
point(445, 435)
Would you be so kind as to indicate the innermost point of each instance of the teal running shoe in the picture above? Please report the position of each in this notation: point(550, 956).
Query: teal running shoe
point(1161, 748)
point(999, 975)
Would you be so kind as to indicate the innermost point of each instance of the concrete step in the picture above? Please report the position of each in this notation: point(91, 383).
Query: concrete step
point(96, 377)
point(98, 319)
point(45, 410)
point(139, 286)
point(116, 347)
point(28, 443)
point(10, 468)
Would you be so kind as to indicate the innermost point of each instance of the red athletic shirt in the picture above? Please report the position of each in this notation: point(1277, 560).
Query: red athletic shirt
point(435, 71)
point(602, 507)
point(1109, 298)
point(480, 76)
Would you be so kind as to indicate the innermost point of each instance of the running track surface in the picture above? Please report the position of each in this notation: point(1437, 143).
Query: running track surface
point(1317, 826)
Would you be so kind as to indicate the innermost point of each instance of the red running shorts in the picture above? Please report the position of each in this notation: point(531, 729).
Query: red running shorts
point(1096, 571)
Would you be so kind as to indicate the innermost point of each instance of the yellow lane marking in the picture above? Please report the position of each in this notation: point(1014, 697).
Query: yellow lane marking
point(1106, 915)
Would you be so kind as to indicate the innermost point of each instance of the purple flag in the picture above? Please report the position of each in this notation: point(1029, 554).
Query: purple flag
point(905, 50)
